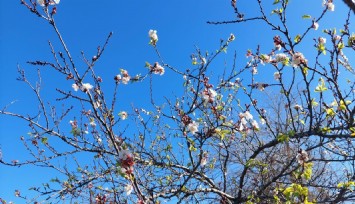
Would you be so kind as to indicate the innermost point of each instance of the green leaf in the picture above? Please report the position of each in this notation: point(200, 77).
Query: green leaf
point(276, 2)
point(306, 16)
point(283, 137)
point(321, 48)
point(44, 140)
point(307, 173)
point(297, 38)
point(314, 103)
point(321, 86)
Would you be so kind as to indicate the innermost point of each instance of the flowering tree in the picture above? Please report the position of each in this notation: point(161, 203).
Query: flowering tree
point(229, 138)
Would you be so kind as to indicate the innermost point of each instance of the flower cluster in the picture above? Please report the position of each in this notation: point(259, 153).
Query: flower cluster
point(123, 115)
point(50, 2)
point(265, 59)
point(153, 37)
point(101, 198)
point(124, 77)
point(156, 68)
point(298, 59)
point(244, 119)
point(74, 124)
point(209, 95)
point(85, 87)
point(315, 25)
point(279, 58)
point(278, 42)
point(302, 157)
point(329, 4)
point(283, 58)
point(193, 127)
point(321, 44)
point(127, 161)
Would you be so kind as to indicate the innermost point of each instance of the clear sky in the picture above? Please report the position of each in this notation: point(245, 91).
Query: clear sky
point(85, 24)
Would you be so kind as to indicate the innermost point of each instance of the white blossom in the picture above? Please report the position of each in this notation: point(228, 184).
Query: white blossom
point(243, 121)
point(337, 37)
point(118, 77)
point(255, 124)
point(123, 115)
point(97, 104)
point(254, 70)
point(75, 87)
point(241, 126)
point(124, 154)
point(157, 69)
point(86, 87)
point(125, 78)
point(277, 46)
point(209, 94)
point(329, 4)
point(203, 161)
point(297, 59)
point(193, 127)
point(322, 40)
point(315, 25)
point(281, 57)
point(213, 93)
point(40, 2)
point(50, 2)
point(92, 123)
point(277, 75)
point(247, 115)
point(298, 107)
point(265, 58)
point(302, 157)
point(153, 37)
point(262, 121)
point(260, 86)
point(231, 37)
point(128, 188)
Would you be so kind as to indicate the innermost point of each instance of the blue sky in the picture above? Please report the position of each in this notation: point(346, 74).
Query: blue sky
point(85, 24)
